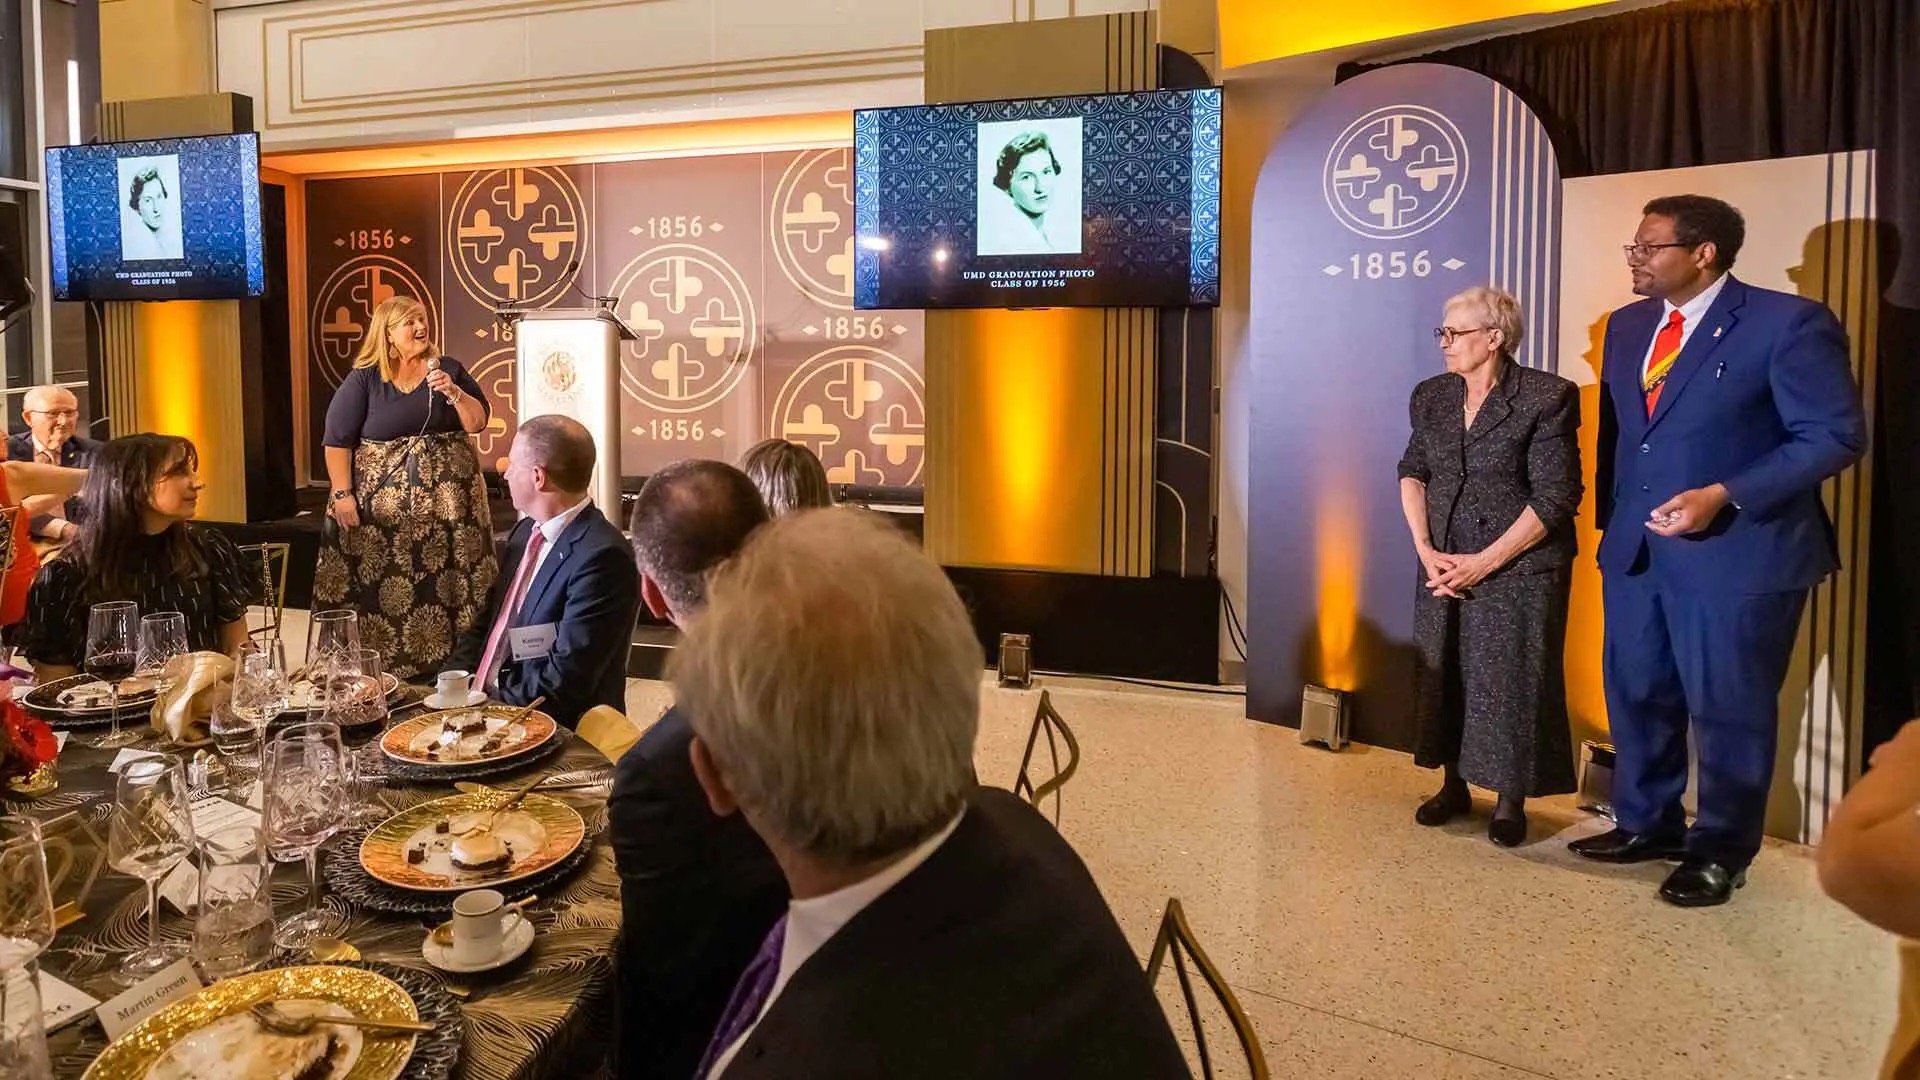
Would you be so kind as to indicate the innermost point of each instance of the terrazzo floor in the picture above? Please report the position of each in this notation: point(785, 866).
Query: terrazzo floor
point(1364, 946)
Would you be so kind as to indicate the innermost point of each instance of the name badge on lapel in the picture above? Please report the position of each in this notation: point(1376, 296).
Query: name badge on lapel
point(530, 642)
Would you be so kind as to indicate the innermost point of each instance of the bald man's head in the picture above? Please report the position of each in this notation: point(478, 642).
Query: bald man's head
point(52, 413)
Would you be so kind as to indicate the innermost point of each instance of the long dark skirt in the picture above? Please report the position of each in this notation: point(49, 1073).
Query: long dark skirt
point(419, 565)
point(1490, 685)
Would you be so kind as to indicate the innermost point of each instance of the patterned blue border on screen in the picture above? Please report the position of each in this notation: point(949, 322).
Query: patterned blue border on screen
point(1150, 205)
point(220, 242)
point(866, 207)
point(1206, 197)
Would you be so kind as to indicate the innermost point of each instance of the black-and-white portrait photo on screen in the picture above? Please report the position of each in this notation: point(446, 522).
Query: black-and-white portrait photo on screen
point(1029, 188)
point(150, 208)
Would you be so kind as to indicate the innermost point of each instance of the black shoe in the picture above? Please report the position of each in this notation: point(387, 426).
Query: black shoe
point(1452, 801)
point(1621, 846)
point(1701, 883)
point(1508, 831)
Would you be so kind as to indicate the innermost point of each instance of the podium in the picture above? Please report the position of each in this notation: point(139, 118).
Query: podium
point(570, 364)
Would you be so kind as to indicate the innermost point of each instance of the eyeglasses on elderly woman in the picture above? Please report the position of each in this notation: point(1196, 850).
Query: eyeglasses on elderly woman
point(1445, 334)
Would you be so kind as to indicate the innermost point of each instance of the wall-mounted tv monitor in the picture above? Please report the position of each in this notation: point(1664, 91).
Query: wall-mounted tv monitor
point(1105, 200)
point(156, 219)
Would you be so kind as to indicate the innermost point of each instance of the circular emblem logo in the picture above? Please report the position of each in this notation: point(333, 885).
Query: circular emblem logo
point(862, 410)
point(559, 372)
point(513, 233)
point(813, 226)
point(495, 374)
point(1395, 172)
point(346, 301)
point(695, 326)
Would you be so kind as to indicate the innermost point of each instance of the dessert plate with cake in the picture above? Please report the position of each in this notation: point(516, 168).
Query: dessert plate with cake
point(468, 736)
point(82, 700)
point(460, 843)
point(213, 1035)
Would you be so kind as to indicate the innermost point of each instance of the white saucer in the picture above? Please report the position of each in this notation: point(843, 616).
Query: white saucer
point(514, 945)
point(474, 697)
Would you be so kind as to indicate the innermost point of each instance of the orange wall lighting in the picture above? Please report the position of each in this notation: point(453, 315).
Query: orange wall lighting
point(1252, 31)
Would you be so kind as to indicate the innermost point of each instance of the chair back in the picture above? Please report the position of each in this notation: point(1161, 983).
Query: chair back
point(269, 562)
point(1176, 939)
point(1047, 721)
point(607, 730)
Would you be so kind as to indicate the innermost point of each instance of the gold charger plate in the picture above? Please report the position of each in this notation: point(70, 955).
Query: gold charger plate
point(537, 728)
point(560, 830)
point(365, 993)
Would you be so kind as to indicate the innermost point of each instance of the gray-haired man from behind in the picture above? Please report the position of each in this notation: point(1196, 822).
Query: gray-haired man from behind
point(938, 929)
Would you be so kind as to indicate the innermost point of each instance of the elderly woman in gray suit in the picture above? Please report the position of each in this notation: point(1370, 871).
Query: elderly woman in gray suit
point(1489, 484)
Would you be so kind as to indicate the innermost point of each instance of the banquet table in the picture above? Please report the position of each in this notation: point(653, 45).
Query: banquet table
point(546, 1014)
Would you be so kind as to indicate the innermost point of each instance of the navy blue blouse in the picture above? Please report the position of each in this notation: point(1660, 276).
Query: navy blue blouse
point(366, 408)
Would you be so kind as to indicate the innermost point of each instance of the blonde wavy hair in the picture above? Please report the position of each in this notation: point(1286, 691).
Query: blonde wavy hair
point(376, 348)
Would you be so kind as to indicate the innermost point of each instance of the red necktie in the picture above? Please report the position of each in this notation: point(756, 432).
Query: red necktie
point(509, 606)
point(1666, 349)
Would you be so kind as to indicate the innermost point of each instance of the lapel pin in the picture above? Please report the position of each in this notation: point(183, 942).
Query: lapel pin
point(1716, 331)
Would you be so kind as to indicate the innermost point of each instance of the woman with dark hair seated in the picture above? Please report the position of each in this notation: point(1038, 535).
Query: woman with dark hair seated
point(135, 543)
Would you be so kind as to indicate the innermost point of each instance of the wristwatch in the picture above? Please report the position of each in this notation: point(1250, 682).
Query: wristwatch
point(338, 494)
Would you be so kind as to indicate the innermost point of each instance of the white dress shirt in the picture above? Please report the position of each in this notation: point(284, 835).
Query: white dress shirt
point(551, 529)
point(1691, 313)
point(811, 922)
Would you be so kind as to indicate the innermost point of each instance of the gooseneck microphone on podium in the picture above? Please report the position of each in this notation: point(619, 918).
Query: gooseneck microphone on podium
point(572, 271)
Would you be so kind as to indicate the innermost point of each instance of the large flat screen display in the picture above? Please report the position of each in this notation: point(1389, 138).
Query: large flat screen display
point(157, 219)
point(1108, 200)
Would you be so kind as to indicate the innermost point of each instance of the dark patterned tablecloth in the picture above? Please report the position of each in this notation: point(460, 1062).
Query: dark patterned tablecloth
point(545, 1015)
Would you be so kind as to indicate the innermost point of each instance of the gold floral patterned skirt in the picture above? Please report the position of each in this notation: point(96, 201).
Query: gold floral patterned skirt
point(418, 566)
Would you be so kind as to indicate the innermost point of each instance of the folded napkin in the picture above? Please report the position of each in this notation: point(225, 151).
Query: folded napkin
point(201, 680)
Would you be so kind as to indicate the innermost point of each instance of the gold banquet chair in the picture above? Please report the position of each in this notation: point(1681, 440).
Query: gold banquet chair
point(1046, 719)
point(269, 562)
point(607, 730)
point(1176, 939)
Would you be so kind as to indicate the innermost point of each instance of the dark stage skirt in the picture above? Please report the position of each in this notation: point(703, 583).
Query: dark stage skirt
point(419, 565)
point(1490, 687)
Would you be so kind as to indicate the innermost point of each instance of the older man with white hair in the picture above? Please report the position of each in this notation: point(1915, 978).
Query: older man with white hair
point(937, 928)
point(52, 414)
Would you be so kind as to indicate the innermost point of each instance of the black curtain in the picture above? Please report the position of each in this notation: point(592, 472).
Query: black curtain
point(1705, 82)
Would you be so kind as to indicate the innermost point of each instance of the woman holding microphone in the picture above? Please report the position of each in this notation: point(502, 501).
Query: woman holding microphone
point(413, 552)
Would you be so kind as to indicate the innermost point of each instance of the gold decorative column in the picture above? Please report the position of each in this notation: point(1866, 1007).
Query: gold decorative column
point(1040, 423)
point(174, 366)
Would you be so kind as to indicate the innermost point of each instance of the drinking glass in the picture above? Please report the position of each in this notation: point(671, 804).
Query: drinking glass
point(150, 832)
point(26, 900)
point(332, 633)
point(304, 794)
point(26, 928)
point(163, 641)
point(111, 656)
point(233, 923)
point(355, 696)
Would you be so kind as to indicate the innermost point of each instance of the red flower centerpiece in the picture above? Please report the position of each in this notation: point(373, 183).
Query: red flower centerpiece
point(27, 746)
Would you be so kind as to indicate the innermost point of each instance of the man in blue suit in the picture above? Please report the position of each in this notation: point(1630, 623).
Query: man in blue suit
point(559, 621)
point(1724, 407)
point(52, 413)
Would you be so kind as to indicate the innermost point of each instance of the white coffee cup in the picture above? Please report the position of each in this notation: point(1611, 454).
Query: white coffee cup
point(481, 920)
point(453, 686)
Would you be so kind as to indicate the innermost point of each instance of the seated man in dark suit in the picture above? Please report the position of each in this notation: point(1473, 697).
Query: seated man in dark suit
point(938, 929)
point(52, 412)
point(697, 891)
point(559, 620)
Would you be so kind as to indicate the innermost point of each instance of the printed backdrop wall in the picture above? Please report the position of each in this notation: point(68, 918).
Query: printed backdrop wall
point(736, 271)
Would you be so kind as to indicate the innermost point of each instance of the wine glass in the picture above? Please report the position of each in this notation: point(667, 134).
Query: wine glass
point(260, 692)
point(150, 832)
point(333, 633)
point(111, 657)
point(26, 900)
point(305, 782)
point(163, 641)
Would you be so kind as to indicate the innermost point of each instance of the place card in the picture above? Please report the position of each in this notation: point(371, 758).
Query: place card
point(176, 981)
point(181, 888)
point(59, 741)
point(211, 813)
point(61, 1004)
point(129, 755)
